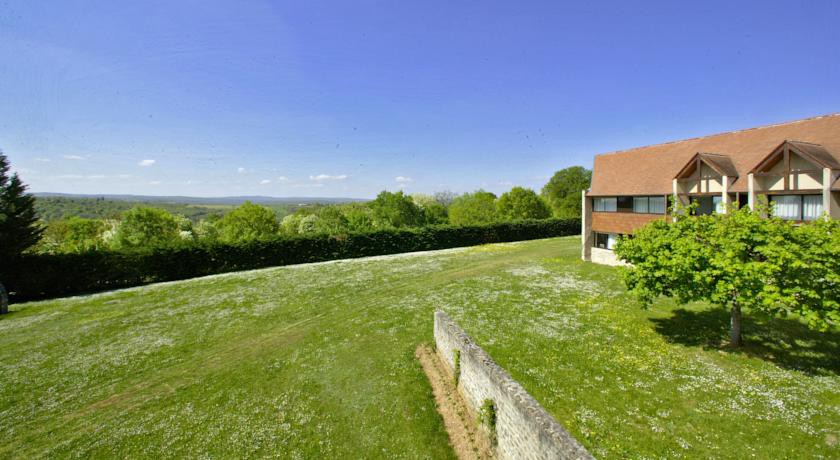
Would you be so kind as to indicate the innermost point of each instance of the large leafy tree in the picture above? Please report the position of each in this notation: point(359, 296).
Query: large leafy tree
point(434, 212)
point(563, 191)
point(145, 227)
point(739, 261)
point(73, 234)
point(395, 210)
point(477, 208)
point(359, 217)
point(248, 221)
point(19, 229)
point(522, 203)
point(331, 221)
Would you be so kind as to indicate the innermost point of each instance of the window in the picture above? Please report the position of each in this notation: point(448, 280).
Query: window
point(706, 205)
point(717, 203)
point(624, 203)
point(649, 204)
point(797, 207)
point(657, 205)
point(605, 240)
point(640, 204)
point(604, 204)
point(635, 204)
point(812, 207)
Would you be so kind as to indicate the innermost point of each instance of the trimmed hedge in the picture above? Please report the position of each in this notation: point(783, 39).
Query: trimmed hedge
point(39, 276)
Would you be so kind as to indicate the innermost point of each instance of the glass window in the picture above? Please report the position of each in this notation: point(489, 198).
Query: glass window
point(604, 204)
point(705, 205)
point(640, 204)
point(787, 206)
point(656, 205)
point(812, 207)
point(624, 204)
point(605, 240)
point(601, 240)
point(717, 204)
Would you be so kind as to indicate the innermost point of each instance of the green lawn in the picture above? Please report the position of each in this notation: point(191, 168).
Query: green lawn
point(317, 361)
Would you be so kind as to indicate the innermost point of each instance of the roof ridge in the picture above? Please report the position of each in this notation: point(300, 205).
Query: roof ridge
point(804, 142)
point(801, 120)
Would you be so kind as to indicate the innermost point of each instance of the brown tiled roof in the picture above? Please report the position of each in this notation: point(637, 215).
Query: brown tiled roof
point(818, 153)
point(650, 170)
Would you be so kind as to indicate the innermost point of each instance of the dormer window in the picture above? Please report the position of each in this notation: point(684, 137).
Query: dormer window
point(706, 174)
point(794, 166)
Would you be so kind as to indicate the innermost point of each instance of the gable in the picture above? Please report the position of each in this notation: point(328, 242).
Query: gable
point(651, 170)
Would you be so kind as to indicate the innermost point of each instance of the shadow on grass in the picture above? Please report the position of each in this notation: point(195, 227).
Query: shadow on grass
point(8, 314)
point(785, 342)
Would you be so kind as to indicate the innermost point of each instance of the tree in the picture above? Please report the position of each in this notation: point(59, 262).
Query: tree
point(476, 208)
point(445, 197)
point(19, 229)
point(73, 234)
point(359, 217)
point(395, 210)
point(308, 224)
point(146, 227)
point(207, 229)
point(563, 191)
point(331, 221)
point(248, 222)
point(434, 212)
point(739, 260)
point(522, 203)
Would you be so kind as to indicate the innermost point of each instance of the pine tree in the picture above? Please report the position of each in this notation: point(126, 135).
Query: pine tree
point(19, 228)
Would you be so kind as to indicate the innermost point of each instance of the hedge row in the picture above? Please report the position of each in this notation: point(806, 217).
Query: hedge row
point(38, 276)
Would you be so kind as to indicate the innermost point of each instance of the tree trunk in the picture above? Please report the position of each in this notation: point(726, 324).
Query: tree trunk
point(4, 300)
point(735, 326)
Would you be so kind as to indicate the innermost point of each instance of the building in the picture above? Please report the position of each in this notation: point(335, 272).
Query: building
point(795, 165)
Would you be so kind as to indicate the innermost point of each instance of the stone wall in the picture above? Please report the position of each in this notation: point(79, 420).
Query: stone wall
point(524, 430)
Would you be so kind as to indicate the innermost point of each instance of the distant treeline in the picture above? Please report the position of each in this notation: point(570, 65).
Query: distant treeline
point(37, 276)
point(74, 225)
point(52, 208)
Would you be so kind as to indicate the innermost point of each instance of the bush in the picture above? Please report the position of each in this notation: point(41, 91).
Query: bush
point(39, 276)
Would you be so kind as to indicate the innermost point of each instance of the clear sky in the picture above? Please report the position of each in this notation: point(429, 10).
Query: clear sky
point(322, 98)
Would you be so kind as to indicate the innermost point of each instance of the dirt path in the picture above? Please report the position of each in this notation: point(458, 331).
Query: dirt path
point(468, 442)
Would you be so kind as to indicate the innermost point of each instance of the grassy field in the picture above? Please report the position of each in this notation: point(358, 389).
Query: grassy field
point(317, 361)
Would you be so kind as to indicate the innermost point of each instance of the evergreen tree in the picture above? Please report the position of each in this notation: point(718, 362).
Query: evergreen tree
point(19, 229)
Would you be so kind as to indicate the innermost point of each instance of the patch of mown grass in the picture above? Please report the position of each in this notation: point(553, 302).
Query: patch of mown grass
point(318, 360)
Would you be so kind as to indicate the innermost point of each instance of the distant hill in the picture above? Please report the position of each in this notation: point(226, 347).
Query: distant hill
point(222, 200)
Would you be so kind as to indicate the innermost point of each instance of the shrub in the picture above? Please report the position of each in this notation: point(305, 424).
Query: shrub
point(52, 275)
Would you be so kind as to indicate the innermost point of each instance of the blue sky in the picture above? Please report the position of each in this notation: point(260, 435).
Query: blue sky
point(309, 98)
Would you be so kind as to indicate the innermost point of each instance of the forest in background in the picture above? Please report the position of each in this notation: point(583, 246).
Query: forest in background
point(78, 224)
point(52, 207)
